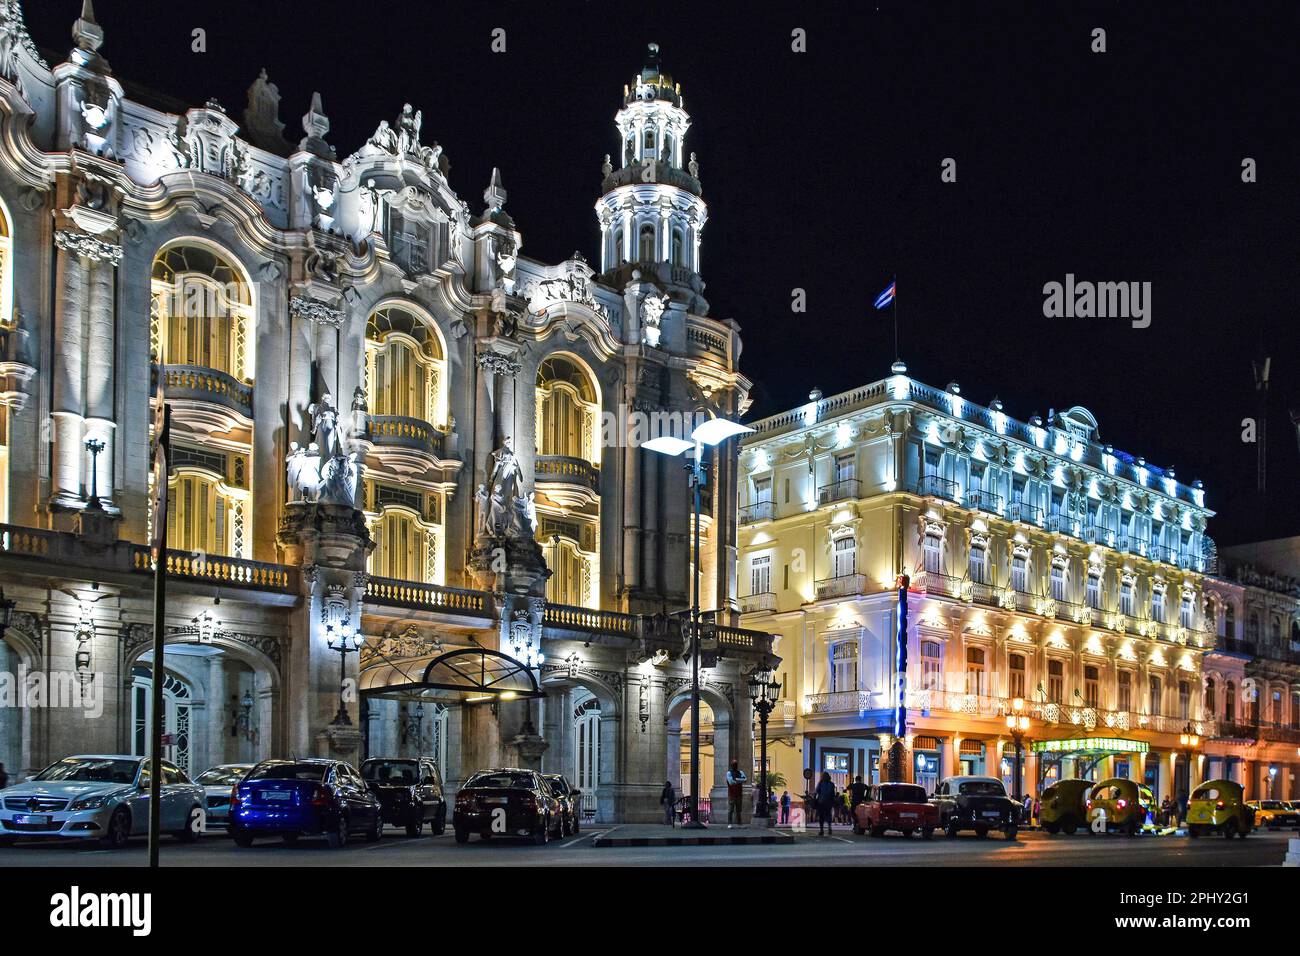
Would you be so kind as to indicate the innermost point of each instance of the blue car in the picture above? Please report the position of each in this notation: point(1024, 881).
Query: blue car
point(289, 798)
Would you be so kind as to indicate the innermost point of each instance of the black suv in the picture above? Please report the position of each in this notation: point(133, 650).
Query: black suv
point(570, 798)
point(410, 790)
point(976, 803)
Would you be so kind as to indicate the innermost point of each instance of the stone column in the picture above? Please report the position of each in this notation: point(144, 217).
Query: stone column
point(100, 365)
point(1031, 782)
point(68, 404)
point(1136, 763)
point(217, 705)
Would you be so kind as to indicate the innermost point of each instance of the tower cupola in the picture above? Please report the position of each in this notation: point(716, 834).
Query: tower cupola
point(651, 214)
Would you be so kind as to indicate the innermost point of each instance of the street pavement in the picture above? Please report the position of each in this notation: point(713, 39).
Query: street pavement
point(842, 848)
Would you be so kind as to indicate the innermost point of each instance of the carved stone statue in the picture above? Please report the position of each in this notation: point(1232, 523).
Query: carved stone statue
point(652, 308)
point(606, 167)
point(504, 508)
point(693, 167)
point(384, 138)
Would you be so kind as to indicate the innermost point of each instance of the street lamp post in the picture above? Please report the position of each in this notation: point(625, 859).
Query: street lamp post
point(347, 643)
point(713, 433)
point(763, 693)
point(1189, 740)
point(1018, 724)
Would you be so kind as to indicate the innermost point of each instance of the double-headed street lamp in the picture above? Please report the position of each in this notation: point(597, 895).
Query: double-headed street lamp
point(712, 433)
point(345, 641)
point(1018, 725)
point(763, 694)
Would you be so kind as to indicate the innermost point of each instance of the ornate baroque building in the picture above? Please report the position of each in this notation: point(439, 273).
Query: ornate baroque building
point(389, 428)
point(1044, 566)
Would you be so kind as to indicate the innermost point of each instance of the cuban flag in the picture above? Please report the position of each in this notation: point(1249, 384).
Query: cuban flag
point(886, 297)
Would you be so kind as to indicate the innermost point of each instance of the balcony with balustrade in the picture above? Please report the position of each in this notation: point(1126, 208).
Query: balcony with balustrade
point(844, 585)
point(846, 489)
point(756, 512)
point(187, 385)
point(568, 481)
point(399, 438)
point(758, 603)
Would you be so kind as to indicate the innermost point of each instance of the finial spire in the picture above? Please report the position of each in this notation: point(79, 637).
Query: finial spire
point(495, 194)
point(316, 124)
point(86, 32)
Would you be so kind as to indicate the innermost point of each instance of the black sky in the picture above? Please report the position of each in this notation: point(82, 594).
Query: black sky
point(822, 172)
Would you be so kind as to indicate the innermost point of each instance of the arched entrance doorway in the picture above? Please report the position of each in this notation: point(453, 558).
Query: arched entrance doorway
point(221, 699)
point(716, 748)
point(580, 722)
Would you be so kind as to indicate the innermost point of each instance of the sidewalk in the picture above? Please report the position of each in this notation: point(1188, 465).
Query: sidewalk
point(656, 834)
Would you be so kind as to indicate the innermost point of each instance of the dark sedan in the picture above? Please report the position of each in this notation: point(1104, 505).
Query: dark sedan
point(570, 798)
point(289, 798)
point(410, 790)
point(976, 803)
point(507, 802)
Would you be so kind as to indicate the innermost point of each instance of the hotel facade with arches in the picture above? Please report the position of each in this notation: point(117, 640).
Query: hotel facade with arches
point(357, 363)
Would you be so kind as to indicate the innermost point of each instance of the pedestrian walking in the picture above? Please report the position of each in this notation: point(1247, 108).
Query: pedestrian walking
point(1037, 808)
point(857, 794)
point(736, 780)
point(785, 806)
point(668, 800)
point(824, 798)
point(1029, 809)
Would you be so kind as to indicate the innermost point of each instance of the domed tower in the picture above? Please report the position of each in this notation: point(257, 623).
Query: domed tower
point(651, 214)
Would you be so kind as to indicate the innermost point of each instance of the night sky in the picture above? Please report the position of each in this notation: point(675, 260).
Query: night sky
point(822, 172)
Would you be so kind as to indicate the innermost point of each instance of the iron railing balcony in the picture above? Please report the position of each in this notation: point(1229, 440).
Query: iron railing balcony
point(1062, 523)
point(838, 702)
point(985, 501)
point(844, 585)
point(846, 489)
point(934, 582)
point(753, 603)
point(1019, 511)
point(758, 511)
point(932, 486)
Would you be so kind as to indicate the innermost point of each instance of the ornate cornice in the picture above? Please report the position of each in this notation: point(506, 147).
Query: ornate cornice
point(313, 310)
point(87, 246)
point(499, 364)
point(135, 636)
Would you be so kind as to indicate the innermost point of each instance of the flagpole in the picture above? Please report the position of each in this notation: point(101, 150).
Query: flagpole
point(897, 357)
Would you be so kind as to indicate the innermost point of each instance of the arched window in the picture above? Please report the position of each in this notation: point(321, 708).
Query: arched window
point(568, 410)
point(646, 243)
point(571, 577)
point(205, 513)
point(405, 367)
point(678, 256)
point(975, 671)
point(406, 547)
point(201, 311)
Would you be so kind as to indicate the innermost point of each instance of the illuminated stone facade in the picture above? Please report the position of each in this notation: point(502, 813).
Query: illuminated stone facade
point(1043, 565)
point(310, 318)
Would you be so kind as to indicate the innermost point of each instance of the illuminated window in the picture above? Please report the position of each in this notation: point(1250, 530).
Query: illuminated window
point(1126, 598)
point(844, 666)
point(933, 554)
point(975, 671)
point(572, 573)
point(568, 410)
point(844, 557)
point(760, 574)
point(206, 515)
point(405, 367)
point(1059, 592)
point(1124, 691)
point(1091, 686)
point(201, 311)
point(1019, 574)
point(979, 565)
point(1016, 665)
point(1055, 681)
point(1094, 591)
point(931, 665)
point(1158, 606)
point(406, 547)
point(1154, 691)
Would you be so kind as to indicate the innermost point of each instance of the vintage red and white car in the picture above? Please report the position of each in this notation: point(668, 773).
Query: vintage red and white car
point(896, 806)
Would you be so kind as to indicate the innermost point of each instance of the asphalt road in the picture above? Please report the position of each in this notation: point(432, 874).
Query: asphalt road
point(842, 849)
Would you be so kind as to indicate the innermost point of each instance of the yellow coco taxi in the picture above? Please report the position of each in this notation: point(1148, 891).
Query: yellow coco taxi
point(1216, 806)
point(1124, 804)
point(1062, 808)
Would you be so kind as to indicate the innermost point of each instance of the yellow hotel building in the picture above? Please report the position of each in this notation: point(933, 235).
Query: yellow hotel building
point(1044, 566)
